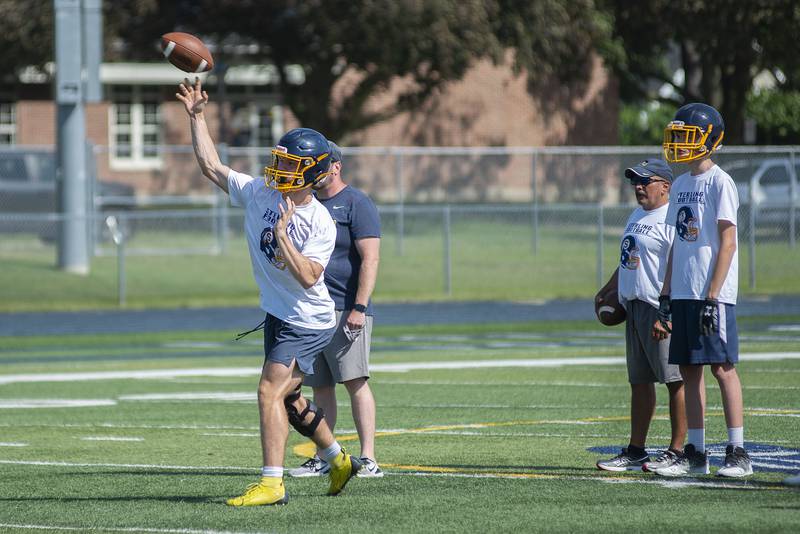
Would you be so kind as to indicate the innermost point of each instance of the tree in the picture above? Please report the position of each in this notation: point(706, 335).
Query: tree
point(348, 50)
point(718, 46)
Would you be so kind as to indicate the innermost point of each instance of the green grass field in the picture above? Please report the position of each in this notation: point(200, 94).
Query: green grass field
point(472, 449)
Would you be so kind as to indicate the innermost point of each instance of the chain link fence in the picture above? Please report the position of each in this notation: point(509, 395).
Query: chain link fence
point(451, 230)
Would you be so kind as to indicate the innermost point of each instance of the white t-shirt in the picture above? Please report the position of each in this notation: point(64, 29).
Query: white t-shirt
point(696, 205)
point(313, 233)
point(644, 249)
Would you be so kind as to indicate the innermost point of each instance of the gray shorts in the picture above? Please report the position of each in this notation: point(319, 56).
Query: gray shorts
point(284, 342)
point(341, 360)
point(647, 358)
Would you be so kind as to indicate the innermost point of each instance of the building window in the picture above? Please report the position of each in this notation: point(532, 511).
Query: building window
point(135, 128)
point(8, 123)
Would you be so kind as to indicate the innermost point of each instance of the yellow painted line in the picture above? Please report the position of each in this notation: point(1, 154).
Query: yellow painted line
point(308, 449)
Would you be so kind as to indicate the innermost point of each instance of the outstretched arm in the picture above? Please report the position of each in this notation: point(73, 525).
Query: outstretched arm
point(194, 100)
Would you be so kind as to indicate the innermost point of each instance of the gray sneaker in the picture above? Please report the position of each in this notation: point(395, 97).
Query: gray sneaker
point(624, 461)
point(691, 462)
point(737, 463)
point(369, 469)
point(313, 467)
point(661, 460)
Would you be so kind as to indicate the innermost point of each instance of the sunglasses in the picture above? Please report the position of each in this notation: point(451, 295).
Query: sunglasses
point(644, 182)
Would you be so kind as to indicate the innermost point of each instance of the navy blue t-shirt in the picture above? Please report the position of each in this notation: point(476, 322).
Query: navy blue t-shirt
point(356, 218)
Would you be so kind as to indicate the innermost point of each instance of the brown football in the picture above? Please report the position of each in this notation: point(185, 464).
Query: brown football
point(608, 309)
point(186, 52)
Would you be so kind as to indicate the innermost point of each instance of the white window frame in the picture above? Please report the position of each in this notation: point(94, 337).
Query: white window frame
point(10, 128)
point(137, 161)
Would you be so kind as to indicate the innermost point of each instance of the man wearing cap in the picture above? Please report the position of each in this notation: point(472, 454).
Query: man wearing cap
point(644, 253)
point(350, 278)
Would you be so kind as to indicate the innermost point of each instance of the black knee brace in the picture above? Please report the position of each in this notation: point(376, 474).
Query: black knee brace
point(298, 419)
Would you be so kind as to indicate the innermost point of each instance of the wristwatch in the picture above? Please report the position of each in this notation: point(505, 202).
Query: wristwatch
point(360, 308)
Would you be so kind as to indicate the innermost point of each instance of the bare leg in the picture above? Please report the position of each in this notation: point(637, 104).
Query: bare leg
point(275, 384)
point(363, 407)
point(643, 404)
point(677, 415)
point(695, 395)
point(731, 389)
point(325, 398)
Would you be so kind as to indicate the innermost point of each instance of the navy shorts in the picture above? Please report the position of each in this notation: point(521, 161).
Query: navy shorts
point(688, 347)
point(284, 342)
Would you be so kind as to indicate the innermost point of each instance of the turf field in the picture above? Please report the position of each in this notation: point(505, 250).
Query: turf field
point(481, 428)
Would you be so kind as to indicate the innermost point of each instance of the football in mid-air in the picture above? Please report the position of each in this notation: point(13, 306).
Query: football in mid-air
point(608, 309)
point(186, 52)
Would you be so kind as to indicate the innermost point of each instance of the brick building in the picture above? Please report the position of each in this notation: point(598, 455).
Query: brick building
point(141, 133)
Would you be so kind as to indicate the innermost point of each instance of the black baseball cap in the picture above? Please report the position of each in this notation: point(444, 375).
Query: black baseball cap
point(648, 168)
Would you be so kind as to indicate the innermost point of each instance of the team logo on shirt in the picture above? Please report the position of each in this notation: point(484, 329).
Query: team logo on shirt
point(686, 225)
point(269, 246)
point(629, 253)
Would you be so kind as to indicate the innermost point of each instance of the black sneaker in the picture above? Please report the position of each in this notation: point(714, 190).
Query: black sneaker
point(624, 461)
point(690, 462)
point(737, 463)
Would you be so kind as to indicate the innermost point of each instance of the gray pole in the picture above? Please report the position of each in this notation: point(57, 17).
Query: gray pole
point(752, 237)
point(535, 211)
point(221, 203)
point(73, 250)
point(447, 260)
point(93, 49)
point(600, 232)
point(398, 177)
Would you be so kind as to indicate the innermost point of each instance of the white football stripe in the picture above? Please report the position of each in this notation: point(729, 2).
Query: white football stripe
point(168, 50)
point(202, 66)
point(380, 367)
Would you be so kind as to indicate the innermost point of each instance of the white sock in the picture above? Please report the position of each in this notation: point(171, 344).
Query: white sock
point(697, 437)
point(272, 471)
point(736, 436)
point(331, 452)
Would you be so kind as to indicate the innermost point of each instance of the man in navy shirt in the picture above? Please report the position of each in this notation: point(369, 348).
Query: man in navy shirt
point(350, 277)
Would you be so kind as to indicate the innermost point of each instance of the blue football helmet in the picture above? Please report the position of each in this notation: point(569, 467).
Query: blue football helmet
point(299, 160)
point(695, 132)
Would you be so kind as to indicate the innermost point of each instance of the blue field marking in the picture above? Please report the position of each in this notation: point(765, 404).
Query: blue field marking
point(773, 458)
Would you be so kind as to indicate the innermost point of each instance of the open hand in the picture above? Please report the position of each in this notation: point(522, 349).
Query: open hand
point(286, 214)
point(193, 97)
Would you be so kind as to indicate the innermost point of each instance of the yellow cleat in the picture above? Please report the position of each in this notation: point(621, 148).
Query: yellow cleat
point(269, 491)
point(342, 470)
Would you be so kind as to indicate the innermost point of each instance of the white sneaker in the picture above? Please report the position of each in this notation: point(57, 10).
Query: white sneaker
point(663, 460)
point(737, 463)
point(369, 469)
point(691, 462)
point(313, 467)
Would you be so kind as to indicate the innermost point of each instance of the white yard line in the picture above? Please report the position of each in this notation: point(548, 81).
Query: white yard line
point(119, 529)
point(110, 438)
point(130, 466)
point(380, 367)
point(12, 444)
point(54, 403)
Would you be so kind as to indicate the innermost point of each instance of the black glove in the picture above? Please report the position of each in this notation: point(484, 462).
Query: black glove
point(709, 317)
point(665, 312)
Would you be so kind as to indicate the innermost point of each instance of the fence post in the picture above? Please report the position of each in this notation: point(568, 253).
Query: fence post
point(535, 209)
point(752, 238)
point(792, 198)
point(118, 236)
point(446, 251)
point(220, 219)
point(398, 178)
point(600, 232)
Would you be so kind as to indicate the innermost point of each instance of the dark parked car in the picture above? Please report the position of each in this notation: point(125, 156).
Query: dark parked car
point(28, 192)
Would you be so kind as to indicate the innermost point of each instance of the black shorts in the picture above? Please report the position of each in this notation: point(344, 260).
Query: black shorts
point(688, 347)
